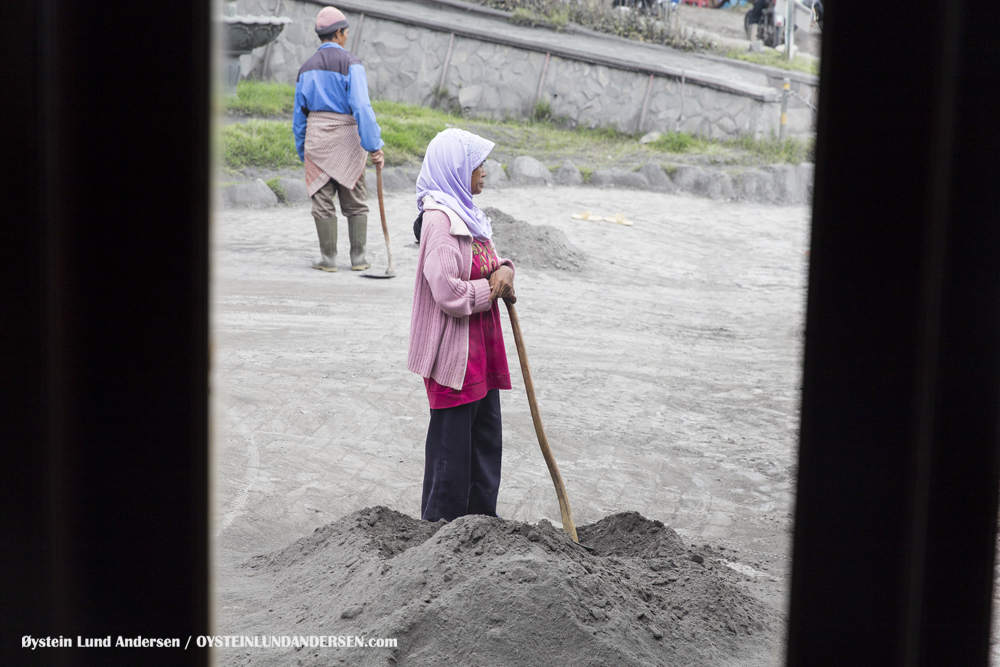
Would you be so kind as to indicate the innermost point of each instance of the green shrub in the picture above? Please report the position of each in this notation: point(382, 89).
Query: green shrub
point(279, 191)
point(442, 99)
point(552, 17)
point(559, 18)
point(676, 142)
point(524, 16)
point(543, 111)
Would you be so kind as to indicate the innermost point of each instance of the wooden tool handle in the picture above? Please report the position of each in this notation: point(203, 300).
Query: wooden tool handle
point(543, 442)
point(381, 211)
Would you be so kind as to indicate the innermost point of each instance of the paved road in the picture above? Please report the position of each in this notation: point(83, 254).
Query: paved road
point(667, 374)
point(751, 80)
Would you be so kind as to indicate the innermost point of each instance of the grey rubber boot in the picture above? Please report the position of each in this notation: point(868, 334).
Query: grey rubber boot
point(357, 229)
point(326, 229)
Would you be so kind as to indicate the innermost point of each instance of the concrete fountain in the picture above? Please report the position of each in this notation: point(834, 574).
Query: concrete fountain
point(243, 34)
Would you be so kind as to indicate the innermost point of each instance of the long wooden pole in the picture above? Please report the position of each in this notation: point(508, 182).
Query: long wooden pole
point(543, 442)
point(391, 270)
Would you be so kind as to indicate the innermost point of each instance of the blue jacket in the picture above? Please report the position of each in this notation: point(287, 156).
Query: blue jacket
point(334, 80)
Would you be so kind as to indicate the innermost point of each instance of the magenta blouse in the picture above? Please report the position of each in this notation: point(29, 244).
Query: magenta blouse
point(487, 366)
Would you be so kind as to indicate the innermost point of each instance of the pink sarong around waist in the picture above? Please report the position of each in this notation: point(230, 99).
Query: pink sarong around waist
point(333, 150)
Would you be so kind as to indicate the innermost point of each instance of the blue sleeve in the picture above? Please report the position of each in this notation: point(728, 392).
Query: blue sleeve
point(361, 107)
point(299, 121)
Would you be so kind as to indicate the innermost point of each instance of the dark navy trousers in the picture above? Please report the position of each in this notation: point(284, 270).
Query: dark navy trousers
point(462, 460)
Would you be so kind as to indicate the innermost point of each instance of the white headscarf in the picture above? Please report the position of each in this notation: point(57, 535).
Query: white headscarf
point(446, 175)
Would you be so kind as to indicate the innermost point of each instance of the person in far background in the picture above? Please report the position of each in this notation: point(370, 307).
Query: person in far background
point(335, 130)
point(456, 343)
point(753, 17)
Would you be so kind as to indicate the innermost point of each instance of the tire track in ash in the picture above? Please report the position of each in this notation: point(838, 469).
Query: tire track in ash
point(249, 478)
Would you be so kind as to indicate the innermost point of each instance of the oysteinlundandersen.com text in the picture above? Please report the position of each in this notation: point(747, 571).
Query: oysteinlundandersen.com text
point(214, 641)
point(312, 641)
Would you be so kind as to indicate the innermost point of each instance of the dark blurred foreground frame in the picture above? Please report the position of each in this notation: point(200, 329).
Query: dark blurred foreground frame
point(105, 207)
point(896, 508)
point(104, 197)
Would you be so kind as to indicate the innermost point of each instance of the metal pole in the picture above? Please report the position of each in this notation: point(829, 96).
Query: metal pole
point(786, 88)
point(541, 81)
point(447, 61)
point(645, 104)
point(789, 28)
point(357, 34)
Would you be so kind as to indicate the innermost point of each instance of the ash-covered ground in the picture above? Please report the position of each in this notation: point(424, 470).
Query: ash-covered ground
point(666, 373)
point(492, 592)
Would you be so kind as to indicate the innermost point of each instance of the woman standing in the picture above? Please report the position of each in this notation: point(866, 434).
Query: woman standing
point(456, 343)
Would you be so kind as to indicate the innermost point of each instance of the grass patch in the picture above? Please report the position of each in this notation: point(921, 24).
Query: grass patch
point(407, 129)
point(554, 19)
point(270, 144)
point(773, 150)
point(767, 151)
point(550, 142)
point(678, 142)
point(776, 59)
point(258, 98)
point(279, 191)
point(542, 112)
point(259, 143)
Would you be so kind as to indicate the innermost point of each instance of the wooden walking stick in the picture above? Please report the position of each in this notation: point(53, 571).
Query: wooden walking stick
point(390, 272)
point(543, 442)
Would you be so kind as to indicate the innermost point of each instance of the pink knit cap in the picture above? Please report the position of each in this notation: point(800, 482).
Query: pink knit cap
point(329, 21)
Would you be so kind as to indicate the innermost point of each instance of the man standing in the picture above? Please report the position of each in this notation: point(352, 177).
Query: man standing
point(335, 129)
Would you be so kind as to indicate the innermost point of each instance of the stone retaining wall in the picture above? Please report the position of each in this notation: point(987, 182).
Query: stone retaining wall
point(485, 77)
point(775, 184)
point(804, 92)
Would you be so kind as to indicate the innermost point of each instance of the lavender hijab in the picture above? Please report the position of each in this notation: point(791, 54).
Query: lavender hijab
point(446, 175)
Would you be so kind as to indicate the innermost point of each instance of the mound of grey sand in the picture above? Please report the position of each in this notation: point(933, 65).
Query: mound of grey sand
point(533, 246)
point(491, 592)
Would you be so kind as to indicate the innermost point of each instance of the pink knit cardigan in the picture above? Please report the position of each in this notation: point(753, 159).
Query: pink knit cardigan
point(444, 297)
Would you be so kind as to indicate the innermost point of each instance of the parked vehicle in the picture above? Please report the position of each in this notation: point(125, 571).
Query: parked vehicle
point(769, 18)
point(764, 23)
